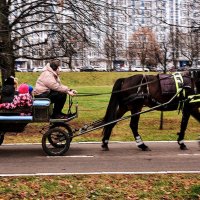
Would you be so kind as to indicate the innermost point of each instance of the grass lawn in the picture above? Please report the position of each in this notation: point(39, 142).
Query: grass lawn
point(104, 187)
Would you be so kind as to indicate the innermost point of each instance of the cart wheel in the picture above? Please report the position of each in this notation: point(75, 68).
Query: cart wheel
point(1, 138)
point(55, 142)
point(64, 127)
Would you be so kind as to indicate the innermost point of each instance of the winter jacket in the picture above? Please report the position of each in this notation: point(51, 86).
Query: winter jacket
point(49, 80)
point(20, 100)
point(8, 92)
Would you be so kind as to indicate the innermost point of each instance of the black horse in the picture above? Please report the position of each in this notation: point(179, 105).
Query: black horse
point(132, 93)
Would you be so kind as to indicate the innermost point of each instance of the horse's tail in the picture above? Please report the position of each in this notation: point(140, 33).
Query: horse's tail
point(114, 102)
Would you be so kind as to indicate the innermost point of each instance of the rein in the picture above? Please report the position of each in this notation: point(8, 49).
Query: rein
point(85, 94)
point(82, 94)
point(115, 92)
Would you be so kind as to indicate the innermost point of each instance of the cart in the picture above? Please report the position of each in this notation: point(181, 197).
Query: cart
point(55, 141)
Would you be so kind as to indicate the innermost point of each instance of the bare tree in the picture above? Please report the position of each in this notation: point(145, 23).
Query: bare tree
point(109, 49)
point(169, 49)
point(113, 49)
point(46, 29)
point(163, 58)
point(144, 46)
point(190, 46)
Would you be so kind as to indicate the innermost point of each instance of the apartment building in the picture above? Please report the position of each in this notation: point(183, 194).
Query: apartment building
point(159, 15)
point(129, 16)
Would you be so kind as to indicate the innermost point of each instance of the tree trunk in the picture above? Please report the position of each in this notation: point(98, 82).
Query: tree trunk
point(70, 61)
point(6, 47)
point(161, 120)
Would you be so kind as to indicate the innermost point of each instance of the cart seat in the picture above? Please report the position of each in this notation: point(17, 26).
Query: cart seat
point(41, 109)
point(36, 113)
point(41, 102)
point(16, 118)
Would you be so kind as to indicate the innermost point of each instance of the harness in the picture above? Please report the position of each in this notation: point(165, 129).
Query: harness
point(194, 98)
point(179, 82)
point(144, 80)
point(142, 91)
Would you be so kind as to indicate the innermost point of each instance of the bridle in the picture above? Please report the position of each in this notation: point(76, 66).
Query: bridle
point(195, 76)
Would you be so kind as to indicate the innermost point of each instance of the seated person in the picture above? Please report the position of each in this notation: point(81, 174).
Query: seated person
point(9, 90)
point(48, 85)
point(23, 99)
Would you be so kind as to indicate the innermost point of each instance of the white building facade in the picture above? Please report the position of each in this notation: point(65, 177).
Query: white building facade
point(129, 16)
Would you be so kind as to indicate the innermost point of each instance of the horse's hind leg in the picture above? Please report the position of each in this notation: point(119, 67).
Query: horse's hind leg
point(134, 127)
point(184, 123)
point(108, 129)
point(106, 136)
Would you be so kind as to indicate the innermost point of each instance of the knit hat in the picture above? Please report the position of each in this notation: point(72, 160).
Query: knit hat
point(23, 88)
point(9, 81)
point(55, 64)
point(30, 88)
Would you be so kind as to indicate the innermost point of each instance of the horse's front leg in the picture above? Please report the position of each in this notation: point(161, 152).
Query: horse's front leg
point(134, 127)
point(184, 123)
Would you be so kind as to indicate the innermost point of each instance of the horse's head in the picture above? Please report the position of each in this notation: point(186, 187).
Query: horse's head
point(195, 75)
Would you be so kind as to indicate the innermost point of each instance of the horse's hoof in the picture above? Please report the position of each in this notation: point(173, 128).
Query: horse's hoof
point(144, 147)
point(104, 147)
point(183, 147)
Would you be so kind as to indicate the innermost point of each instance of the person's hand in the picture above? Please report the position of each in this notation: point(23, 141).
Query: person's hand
point(72, 92)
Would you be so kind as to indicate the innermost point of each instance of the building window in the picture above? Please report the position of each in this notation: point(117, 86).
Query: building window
point(147, 13)
point(147, 5)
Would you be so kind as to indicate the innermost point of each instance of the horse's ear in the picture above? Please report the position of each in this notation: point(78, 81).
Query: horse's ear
point(198, 73)
point(191, 73)
point(195, 73)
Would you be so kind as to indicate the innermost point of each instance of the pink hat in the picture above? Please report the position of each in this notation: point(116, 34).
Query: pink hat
point(23, 88)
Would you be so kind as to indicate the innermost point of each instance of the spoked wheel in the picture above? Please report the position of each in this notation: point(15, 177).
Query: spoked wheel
point(1, 138)
point(64, 127)
point(55, 142)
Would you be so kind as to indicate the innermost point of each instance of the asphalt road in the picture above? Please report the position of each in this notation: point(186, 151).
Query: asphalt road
point(88, 158)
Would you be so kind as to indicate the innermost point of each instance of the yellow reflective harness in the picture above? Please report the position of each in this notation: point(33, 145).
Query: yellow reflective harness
point(194, 98)
point(179, 86)
point(178, 82)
